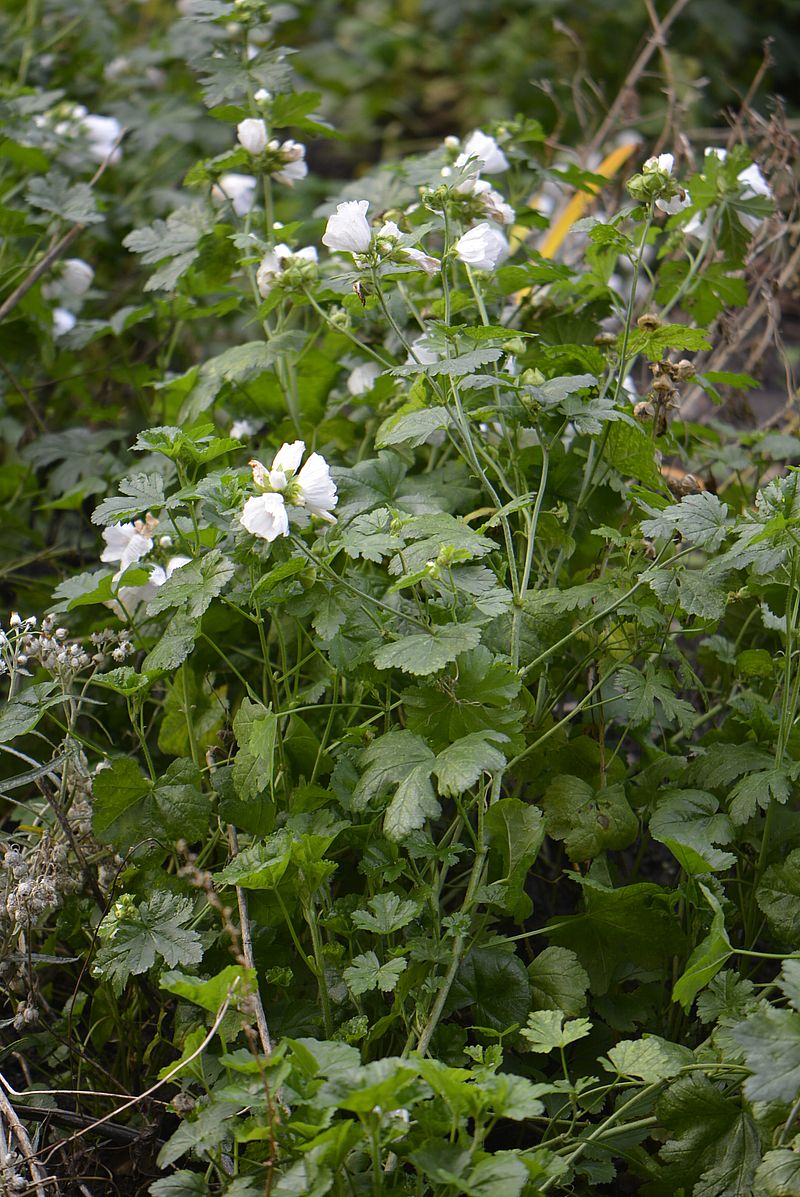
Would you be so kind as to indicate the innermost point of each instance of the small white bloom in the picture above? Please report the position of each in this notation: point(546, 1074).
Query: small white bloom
point(76, 276)
point(238, 190)
point(348, 228)
point(63, 321)
point(294, 167)
point(425, 262)
point(677, 203)
point(242, 429)
point(317, 488)
point(362, 378)
point(663, 163)
point(482, 247)
point(479, 145)
point(496, 207)
point(252, 135)
point(265, 516)
point(125, 543)
point(102, 132)
point(262, 95)
point(275, 262)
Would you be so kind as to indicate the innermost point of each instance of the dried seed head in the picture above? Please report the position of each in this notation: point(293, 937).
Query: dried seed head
point(649, 322)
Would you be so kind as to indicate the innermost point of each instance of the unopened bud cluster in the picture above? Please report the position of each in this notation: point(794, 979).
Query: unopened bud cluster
point(664, 394)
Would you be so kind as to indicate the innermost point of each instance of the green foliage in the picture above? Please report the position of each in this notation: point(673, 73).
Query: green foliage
point(409, 798)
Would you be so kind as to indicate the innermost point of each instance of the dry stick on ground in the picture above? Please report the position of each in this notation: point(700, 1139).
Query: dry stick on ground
point(247, 950)
point(38, 1179)
point(55, 252)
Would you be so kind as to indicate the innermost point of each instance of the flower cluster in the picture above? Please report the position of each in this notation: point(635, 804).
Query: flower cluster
point(68, 287)
point(751, 184)
point(102, 133)
point(284, 161)
point(127, 545)
point(349, 231)
point(265, 515)
point(285, 266)
point(656, 183)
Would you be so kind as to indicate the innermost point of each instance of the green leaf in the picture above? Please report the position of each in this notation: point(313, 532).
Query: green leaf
point(175, 644)
point(778, 897)
point(547, 1030)
point(412, 427)
point(669, 336)
point(516, 831)
point(201, 1134)
point(453, 367)
point(134, 939)
point(459, 766)
point(622, 934)
point(688, 822)
point(192, 714)
point(714, 1146)
point(492, 985)
point(428, 652)
point(370, 536)
point(691, 590)
point(558, 981)
point(256, 728)
point(194, 585)
point(237, 365)
point(642, 692)
point(211, 993)
point(702, 519)
point(707, 958)
point(477, 694)
point(138, 494)
point(759, 791)
point(367, 973)
point(631, 452)
point(388, 913)
point(21, 714)
point(180, 1184)
point(174, 241)
point(130, 809)
point(778, 1174)
point(770, 1040)
point(261, 865)
point(402, 760)
point(75, 203)
point(589, 821)
point(85, 590)
point(649, 1059)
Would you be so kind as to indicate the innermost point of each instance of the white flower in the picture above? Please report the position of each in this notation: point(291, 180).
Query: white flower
point(252, 135)
point(126, 543)
point(242, 429)
point(317, 488)
point(496, 207)
point(348, 228)
point(677, 203)
point(363, 377)
point(424, 261)
point(265, 516)
point(129, 597)
point(482, 247)
point(289, 456)
point(293, 158)
point(63, 321)
point(102, 132)
point(663, 164)
point(275, 261)
point(238, 190)
point(479, 145)
point(176, 563)
point(262, 95)
point(76, 276)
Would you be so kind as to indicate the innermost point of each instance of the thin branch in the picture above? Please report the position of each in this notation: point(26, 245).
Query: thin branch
point(247, 951)
point(38, 1179)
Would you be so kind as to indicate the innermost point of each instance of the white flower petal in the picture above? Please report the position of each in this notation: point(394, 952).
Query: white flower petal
point(317, 488)
point(288, 457)
point(479, 145)
point(124, 543)
point(348, 228)
point(482, 246)
point(363, 377)
point(265, 516)
point(252, 135)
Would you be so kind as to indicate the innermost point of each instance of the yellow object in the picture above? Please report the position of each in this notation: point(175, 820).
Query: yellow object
point(578, 205)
